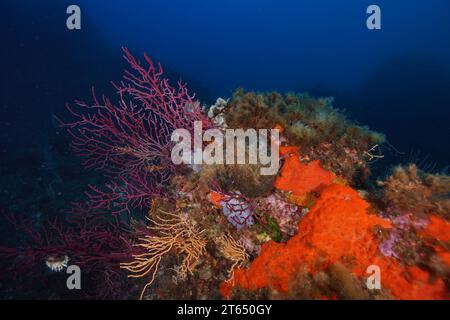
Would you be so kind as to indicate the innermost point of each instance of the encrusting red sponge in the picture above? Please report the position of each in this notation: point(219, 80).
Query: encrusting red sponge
point(338, 227)
point(300, 178)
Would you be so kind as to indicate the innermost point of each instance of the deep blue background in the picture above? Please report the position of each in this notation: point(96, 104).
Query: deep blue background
point(396, 80)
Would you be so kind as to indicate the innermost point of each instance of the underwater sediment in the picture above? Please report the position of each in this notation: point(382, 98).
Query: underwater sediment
point(316, 229)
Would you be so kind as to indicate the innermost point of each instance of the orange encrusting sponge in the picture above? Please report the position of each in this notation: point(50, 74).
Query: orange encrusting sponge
point(409, 283)
point(216, 198)
point(301, 178)
point(438, 229)
point(338, 226)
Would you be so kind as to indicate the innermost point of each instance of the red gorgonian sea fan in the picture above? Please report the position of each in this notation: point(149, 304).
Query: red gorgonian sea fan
point(131, 140)
point(91, 239)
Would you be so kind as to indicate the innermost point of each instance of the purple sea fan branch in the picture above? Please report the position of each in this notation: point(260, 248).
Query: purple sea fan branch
point(120, 195)
point(93, 240)
point(130, 140)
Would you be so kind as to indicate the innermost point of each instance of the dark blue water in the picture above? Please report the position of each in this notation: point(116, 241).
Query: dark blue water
point(396, 80)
